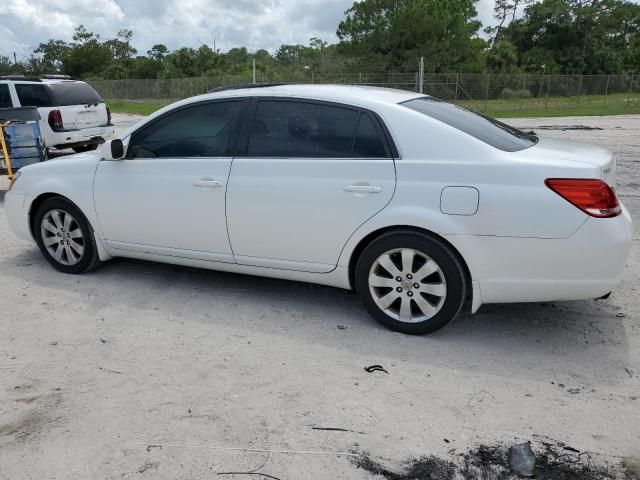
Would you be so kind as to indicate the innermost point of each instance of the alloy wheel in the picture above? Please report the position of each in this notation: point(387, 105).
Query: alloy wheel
point(62, 237)
point(407, 285)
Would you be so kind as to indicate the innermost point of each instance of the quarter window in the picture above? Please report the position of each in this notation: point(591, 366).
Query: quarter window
point(204, 130)
point(368, 143)
point(300, 129)
point(5, 96)
point(32, 95)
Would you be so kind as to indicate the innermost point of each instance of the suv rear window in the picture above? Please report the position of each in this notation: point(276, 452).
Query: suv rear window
point(490, 131)
point(73, 93)
point(33, 95)
point(5, 96)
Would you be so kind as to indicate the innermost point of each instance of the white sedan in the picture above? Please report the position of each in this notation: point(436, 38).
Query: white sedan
point(420, 206)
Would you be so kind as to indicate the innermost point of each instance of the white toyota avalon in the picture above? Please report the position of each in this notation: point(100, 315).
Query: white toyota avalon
point(422, 207)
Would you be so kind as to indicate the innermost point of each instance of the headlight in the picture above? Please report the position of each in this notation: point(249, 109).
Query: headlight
point(13, 179)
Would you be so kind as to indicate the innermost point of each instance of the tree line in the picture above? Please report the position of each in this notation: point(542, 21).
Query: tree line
point(533, 36)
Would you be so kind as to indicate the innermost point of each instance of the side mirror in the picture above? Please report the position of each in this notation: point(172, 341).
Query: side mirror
point(113, 149)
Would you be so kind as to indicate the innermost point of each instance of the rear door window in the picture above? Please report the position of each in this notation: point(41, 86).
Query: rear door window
point(204, 130)
point(33, 95)
point(301, 129)
point(5, 96)
point(73, 93)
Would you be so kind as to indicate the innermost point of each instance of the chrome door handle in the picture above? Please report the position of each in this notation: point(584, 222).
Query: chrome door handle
point(207, 183)
point(362, 189)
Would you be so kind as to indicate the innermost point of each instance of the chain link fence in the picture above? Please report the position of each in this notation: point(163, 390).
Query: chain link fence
point(492, 93)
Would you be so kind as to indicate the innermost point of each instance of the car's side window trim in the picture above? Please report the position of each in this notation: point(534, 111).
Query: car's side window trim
point(233, 140)
point(243, 142)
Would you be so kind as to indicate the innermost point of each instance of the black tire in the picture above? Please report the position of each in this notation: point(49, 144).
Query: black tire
point(86, 261)
point(84, 148)
point(451, 274)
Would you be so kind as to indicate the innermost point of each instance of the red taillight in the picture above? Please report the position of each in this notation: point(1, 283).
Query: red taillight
point(108, 116)
point(55, 120)
point(593, 197)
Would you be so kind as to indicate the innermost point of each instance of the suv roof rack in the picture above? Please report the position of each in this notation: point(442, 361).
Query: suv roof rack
point(19, 77)
point(56, 76)
point(239, 86)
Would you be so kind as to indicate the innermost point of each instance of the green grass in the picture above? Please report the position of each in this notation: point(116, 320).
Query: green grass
point(137, 108)
point(588, 105)
point(592, 105)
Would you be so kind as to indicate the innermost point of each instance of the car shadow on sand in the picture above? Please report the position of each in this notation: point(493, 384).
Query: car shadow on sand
point(539, 335)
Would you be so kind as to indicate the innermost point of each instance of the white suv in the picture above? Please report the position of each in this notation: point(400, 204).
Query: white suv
point(72, 114)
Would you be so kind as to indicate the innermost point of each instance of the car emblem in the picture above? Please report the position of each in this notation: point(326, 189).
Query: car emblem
point(605, 171)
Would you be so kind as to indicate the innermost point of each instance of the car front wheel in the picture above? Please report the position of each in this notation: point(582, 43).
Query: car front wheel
point(411, 282)
point(65, 237)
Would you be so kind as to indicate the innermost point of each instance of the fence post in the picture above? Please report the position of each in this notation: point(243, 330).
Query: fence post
point(455, 102)
point(421, 76)
point(606, 89)
point(546, 100)
point(486, 94)
point(629, 92)
point(254, 70)
point(524, 82)
point(580, 89)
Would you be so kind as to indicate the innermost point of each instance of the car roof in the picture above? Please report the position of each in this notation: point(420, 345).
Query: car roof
point(350, 94)
point(39, 81)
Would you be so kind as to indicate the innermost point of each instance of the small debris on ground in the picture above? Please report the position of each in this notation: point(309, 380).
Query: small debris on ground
point(341, 327)
point(147, 466)
point(553, 461)
point(375, 368)
point(522, 460)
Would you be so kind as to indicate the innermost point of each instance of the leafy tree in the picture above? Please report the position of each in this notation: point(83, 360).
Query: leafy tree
point(87, 55)
point(120, 46)
point(6, 66)
point(158, 52)
point(402, 30)
point(53, 53)
point(578, 36)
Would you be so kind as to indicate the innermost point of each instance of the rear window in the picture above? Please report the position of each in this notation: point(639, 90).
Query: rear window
point(5, 97)
point(490, 131)
point(73, 93)
point(33, 95)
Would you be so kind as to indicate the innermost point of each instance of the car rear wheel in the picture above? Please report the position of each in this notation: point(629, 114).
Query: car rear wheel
point(411, 282)
point(65, 237)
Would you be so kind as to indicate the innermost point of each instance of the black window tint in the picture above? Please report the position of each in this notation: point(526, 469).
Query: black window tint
point(488, 130)
point(369, 143)
point(204, 130)
point(5, 96)
point(298, 129)
point(73, 93)
point(32, 95)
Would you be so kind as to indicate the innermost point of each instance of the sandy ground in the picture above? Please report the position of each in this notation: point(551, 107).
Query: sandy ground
point(143, 370)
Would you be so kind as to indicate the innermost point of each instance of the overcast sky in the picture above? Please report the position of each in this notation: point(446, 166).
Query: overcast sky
point(176, 23)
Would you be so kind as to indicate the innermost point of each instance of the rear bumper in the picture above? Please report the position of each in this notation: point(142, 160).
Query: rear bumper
point(17, 209)
point(588, 264)
point(75, 138)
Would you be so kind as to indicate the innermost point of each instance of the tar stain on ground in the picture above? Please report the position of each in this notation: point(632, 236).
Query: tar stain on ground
point(554, 461)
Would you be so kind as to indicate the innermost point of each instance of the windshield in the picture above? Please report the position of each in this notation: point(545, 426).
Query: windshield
point(73, 93)
point(490, 131)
